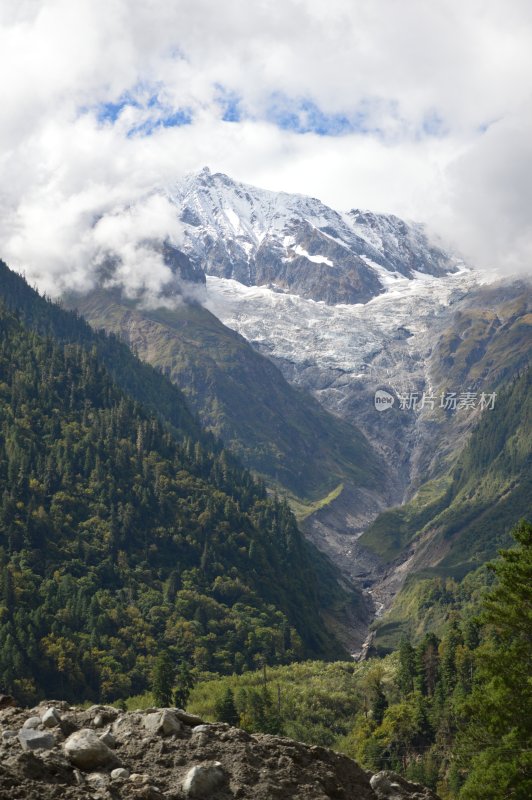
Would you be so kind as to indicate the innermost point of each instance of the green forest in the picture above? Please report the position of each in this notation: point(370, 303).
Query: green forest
point(121, 538)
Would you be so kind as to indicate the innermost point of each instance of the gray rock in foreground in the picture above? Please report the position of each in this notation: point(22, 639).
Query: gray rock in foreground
point(31, 739)
point(85, 750)
point(203, 780)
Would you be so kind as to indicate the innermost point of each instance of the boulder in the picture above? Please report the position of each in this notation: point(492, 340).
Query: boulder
point(162, 722)
point(188, 719)
point(51, 718)
point(85, 750)
point(204, 779)
point(32, 722)
point(31, 739)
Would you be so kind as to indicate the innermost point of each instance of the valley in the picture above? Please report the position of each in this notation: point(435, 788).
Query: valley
point(282, 321)
point(164, 459)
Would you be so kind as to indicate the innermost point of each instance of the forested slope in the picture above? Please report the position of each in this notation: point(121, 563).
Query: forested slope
point(120, 539)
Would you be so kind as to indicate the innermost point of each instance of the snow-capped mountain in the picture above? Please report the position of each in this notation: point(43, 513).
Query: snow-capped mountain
point(297, 244)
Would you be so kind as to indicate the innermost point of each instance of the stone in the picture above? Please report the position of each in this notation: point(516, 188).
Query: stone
point(31, 739)
point(97, 780)
point(107, 738)
point(85, 750)
point(139, 777)
point(201, 729)
point(388, 785)
point(188, 719)
point(120, 773)
point(78, 777)
point(163, 722)
point(32, 722)
point(51, 718)
point(203, 779)
point(109, 713)
point(8, 734)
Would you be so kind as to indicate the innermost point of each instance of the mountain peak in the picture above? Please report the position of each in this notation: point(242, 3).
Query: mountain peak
point(295, 243)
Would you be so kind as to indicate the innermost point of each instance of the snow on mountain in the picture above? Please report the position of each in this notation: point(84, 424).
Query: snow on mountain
point(297, 244)
point(383, 339)
point(344, 303)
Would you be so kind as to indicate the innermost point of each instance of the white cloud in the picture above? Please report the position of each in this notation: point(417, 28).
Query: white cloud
point(459, 66)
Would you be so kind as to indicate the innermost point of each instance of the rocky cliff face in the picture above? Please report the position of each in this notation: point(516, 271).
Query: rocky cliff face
point(56, 751)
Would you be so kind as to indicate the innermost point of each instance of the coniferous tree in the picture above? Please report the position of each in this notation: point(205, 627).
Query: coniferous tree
point(496, 746)
point(163, 679)
point(185, 684)
point(226, 709)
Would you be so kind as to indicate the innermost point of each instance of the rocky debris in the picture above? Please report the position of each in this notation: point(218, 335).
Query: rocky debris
point(98, 780)
point(390, 786)
point(166, 753)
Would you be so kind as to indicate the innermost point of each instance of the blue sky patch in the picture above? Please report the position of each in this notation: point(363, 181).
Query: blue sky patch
point(173, 119)
point(146, 99)
point(109, 112)
point(304, 116)
point(229, 103)
point(434, 125)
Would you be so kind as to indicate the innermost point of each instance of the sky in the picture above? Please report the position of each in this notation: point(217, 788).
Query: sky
point(422, 109)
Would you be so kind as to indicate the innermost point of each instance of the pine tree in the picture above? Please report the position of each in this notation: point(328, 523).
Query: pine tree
point(407, 667)
point(163, 679)
point(497, 744)
point(226, 709)
point(185, 684)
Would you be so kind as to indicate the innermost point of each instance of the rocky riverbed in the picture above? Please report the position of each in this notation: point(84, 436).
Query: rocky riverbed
point(60, 751)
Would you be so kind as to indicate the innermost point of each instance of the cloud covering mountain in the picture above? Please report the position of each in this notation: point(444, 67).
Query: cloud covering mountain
point(418, 109)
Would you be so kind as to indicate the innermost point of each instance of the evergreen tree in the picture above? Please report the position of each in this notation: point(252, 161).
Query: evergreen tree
point(379, 704)
point(496, 747)
point(226, 709)
point(163, 679)
point(407, 667)
point(185, 684)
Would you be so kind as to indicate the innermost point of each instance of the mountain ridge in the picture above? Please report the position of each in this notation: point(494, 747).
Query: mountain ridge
point(297, 243)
